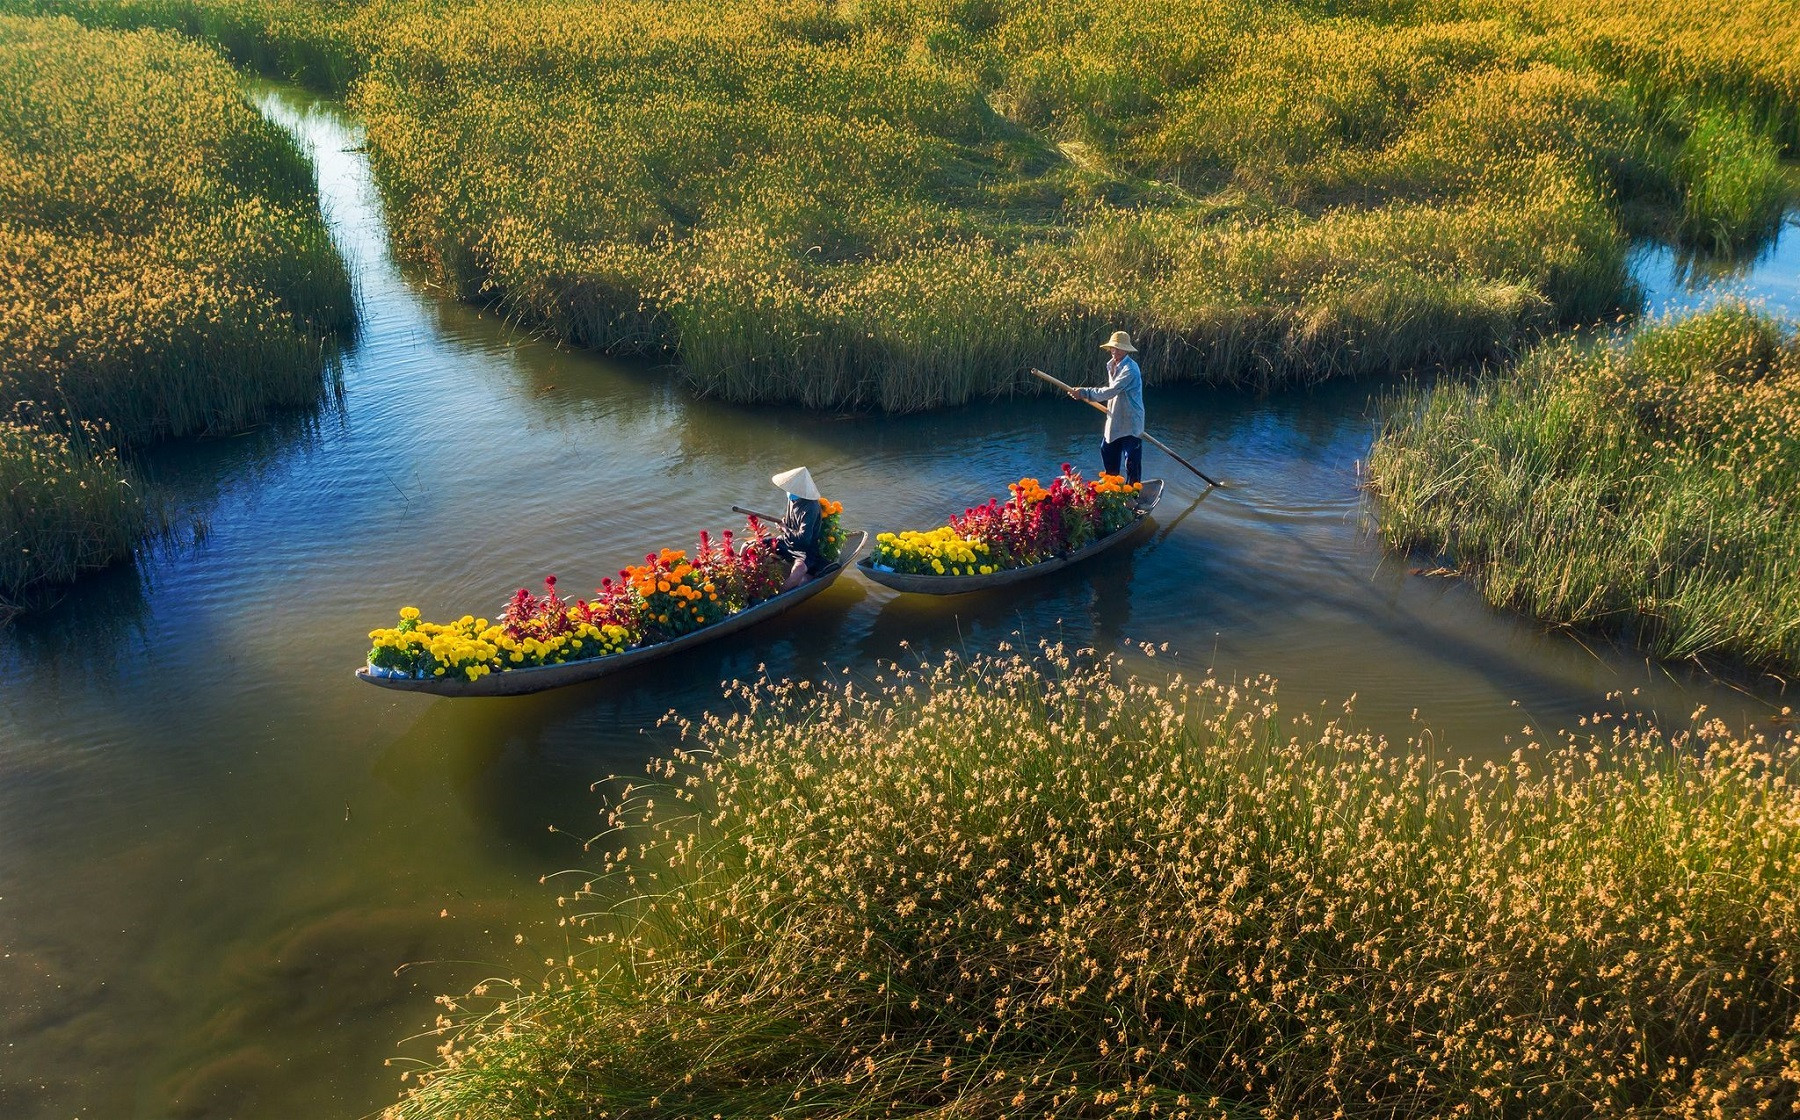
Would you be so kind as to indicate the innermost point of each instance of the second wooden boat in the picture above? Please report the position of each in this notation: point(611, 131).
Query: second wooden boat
point(960, 585)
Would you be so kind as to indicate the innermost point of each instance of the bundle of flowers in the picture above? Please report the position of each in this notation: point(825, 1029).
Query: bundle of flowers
point(941, 551)
point(831, 530)
point(1036, 523)
point(670, 594)
point(473, 647)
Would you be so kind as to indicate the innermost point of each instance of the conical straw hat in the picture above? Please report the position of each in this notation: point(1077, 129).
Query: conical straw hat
point(798, 482)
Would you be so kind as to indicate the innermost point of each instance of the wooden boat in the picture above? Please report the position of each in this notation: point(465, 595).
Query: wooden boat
point(518, 682)
point(958, 585)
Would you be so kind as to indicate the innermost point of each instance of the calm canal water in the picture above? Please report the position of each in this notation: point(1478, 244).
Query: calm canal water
point(231, 877)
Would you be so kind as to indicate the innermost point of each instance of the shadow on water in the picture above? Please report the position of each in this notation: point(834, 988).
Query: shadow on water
point(219, 854)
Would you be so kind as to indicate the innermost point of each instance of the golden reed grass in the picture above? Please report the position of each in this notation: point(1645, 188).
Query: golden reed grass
point(902, 205)
point(164, 270)
point(902, 208)
point(167, 271)
point(1038, 886)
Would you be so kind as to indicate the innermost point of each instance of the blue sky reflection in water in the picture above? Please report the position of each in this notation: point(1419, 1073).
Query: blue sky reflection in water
point(217, 850)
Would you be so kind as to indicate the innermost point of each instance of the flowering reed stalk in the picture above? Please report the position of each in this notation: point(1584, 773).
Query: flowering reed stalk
point(1041, 887)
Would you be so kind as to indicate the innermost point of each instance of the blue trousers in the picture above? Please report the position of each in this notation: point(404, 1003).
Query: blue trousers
point(1128, 451)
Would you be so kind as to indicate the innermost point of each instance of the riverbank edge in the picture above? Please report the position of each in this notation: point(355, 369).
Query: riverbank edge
point(1580, 488)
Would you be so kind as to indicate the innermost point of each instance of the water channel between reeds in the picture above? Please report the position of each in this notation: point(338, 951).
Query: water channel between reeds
point(231, 877)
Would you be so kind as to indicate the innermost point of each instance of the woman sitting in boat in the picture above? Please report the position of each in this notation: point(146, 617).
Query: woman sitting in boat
point(799, 537)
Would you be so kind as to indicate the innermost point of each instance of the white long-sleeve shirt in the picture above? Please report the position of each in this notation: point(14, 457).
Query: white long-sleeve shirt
point(1123, 395)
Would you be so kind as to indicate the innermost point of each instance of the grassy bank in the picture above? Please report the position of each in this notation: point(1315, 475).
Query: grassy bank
point(1039, 888)
point(164, 270)
point(1649, 486)
point(901, 205)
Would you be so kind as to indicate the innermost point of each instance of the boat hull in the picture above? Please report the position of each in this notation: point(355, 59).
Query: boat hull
point(520, 682)
point(963, 585)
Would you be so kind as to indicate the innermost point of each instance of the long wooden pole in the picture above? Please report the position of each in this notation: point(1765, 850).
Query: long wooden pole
point(758, 516)
point(1208, 479)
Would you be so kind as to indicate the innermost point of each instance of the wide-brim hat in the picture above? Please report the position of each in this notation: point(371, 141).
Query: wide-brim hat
point(1120, 340)
point(797, 482)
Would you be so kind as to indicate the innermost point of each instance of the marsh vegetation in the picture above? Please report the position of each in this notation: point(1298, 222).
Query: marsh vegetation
point(164, 271)
point(1039, 887)
point(902, 205)
point(1644, 485)
point(1033, 886)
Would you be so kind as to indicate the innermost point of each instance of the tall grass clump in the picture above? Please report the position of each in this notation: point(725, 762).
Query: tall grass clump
point(1039, 887)
point(67, 506)
point(1735, 187)
point(1649, 485)
point(166, 270)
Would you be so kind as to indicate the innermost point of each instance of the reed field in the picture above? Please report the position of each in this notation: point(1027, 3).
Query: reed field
point(1648, 486)
point(164, 271)
point(901, 205)
point(323, 43)
point(167, 271)
point(1044, 887)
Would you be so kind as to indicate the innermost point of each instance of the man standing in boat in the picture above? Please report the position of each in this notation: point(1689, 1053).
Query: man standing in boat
point(1122, 449)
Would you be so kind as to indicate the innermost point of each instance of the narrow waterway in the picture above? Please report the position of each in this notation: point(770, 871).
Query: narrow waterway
point(231, 877)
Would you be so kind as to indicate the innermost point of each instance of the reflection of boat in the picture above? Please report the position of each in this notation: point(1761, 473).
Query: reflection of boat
point(517, 682)
point(957, 585)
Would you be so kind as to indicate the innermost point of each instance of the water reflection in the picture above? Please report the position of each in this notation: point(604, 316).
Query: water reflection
point(1678, 281)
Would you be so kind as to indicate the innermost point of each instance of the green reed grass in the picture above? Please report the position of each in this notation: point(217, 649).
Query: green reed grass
point(1041, 887)
point(1645, 486)
point(1735, 186)
point(67, 506)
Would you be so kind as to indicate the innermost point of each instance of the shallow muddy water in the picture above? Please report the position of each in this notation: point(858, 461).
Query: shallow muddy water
point(231, 877)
